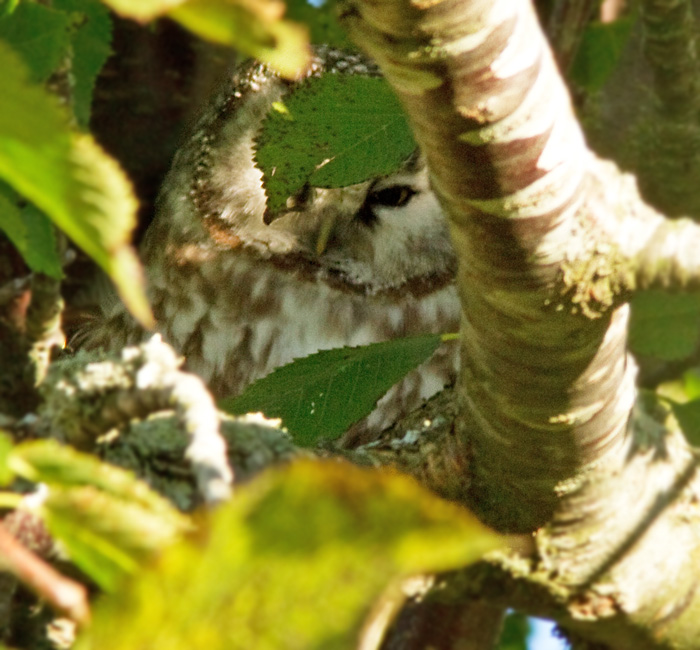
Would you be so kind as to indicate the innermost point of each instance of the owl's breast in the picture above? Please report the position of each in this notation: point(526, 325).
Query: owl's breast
point(236, 317)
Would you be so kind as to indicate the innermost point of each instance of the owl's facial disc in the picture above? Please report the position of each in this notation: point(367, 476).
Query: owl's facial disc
point(374, 236)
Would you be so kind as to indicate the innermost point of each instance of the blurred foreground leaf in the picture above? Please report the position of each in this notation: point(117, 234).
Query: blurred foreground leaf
point(255, 27)
point(324, 393)
point(108, 521)
point(6, 474)
point(293, 562)
point(70, 178)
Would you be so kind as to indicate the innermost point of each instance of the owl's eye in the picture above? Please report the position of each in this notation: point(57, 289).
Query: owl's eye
point(395, 196)
point(392, 197)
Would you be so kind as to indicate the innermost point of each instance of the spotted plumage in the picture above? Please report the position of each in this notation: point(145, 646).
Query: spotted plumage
point(239, 297)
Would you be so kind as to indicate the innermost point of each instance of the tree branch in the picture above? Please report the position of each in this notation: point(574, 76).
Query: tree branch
point(547, 387)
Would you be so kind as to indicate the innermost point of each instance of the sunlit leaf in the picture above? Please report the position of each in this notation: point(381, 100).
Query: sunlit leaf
point(254, 27)
point(663, 325)
point(107, 536)
point(6, 474)
point(334, 131)
point(691, 383)
point(324, 393)
point(143, 10)
point(69, 178)
point(8, 6)
point(108, 520)
point(293, 562)
point(280, 44)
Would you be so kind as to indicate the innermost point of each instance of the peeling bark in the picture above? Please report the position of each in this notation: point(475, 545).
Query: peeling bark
point(550, 251)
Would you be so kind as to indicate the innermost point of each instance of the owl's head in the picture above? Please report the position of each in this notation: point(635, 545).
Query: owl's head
point(386, 234)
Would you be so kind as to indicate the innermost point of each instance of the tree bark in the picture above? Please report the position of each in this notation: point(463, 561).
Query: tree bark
point(552, 243)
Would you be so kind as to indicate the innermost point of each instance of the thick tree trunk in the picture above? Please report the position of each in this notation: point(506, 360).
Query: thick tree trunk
point(551, 241)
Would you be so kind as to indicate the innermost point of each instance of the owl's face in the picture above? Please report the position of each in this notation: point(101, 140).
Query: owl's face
point(374, 236)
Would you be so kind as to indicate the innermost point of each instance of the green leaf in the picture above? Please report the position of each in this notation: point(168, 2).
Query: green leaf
point(664, 325)
point(334, 131)
point(278, 43)
point(691, 383)
point(39, 34)
point(516, 629)
point(293, 562)
point(47, 461)
point(688, 416)
point(91, 38)
point(324, 393)
point(255, 27)
point(599, 52)
point(6, 474)
point(108, 537)
point(7, 7)
point(31, 233)
point(108, 520)
point(322, 22)
point(69, 178)
point(142, 10)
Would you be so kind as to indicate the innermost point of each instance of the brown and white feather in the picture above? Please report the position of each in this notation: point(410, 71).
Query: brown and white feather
point(239, 297)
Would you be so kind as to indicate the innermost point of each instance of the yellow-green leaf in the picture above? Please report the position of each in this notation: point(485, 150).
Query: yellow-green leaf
point(108, 521)
point(295, 561)
point(6, 474)
point(69, 178)
point(255, 27)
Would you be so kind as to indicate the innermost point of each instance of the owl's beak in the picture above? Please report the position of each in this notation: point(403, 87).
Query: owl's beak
point(324, 232)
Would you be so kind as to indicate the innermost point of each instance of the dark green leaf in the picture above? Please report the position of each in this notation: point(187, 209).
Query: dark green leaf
point(30, 232)
point(91, 37)
point(322, 22)
point(292, 563)
point(334, 131)
point(39, 34)
point(516, 629)
point(663, 325)
point(323, 394)
point(599, 52)
point(688, 416)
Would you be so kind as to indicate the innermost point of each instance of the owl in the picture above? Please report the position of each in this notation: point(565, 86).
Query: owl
point(239, 297)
